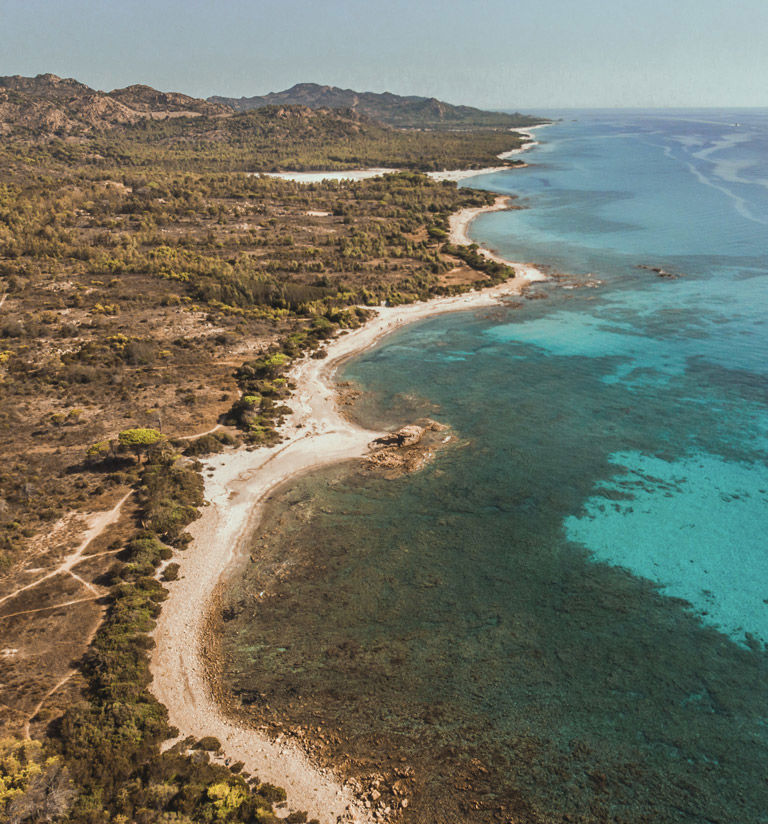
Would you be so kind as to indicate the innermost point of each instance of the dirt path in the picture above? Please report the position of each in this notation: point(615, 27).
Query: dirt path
point(71, 672)
point(99, 521)
point(49, 608)
point(199, 434)
point(41, 703)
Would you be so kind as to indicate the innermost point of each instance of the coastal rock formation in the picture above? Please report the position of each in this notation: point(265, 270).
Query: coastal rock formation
point(405, 436)
point(347, 393)
point(408, 449)
point(662, 273)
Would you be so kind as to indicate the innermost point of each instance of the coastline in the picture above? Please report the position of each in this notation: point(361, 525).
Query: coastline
point(319, 176)
point(236, 485)
point(454, 175)
point(458, 234)
point(463, 174)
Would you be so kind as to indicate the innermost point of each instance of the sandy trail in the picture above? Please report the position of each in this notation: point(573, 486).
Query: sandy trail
point(49, 608)
point(41, 703)
point(236, 484)
point(200, 434)
point(98, 522)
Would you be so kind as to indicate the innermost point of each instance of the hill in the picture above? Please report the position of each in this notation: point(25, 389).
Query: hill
point(388, 108)
point(62, 121)
point(146, 99)
point(307, 127)
point(49, 105)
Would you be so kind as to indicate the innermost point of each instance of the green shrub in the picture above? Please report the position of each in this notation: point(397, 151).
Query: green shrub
point(209, 444)
point(171, 572)
point(170, 495)
point(272, 793)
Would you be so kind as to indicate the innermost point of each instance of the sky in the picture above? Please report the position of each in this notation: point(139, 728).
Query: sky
point(500, 54)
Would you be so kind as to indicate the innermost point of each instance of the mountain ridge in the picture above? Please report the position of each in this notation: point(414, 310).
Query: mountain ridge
point(51, 106)
point(411, 111)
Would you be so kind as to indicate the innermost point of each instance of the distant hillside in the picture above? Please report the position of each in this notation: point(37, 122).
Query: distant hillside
point(282, 138)
point(49, 105)
point(146, 99)
point(66, 121)
point(392, 109)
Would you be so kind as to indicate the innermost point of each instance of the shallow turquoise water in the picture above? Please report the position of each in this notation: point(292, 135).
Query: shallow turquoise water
point(689, 192)
point(698, 528)
point(568, 611)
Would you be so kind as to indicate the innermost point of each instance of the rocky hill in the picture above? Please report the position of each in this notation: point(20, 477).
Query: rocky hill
point(392, 109)
point(63, 121)
point(146, 99)
point(49, 105)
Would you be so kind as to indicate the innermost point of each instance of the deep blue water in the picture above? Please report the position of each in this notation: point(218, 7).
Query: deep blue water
point(564, 617)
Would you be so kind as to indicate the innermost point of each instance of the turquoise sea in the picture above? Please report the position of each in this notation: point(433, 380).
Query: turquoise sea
point(564, 617)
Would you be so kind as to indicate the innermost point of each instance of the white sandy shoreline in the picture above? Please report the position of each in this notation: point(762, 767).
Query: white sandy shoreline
point(459, 223)
point(464, 174)
point(447, 174)
point(236, 485)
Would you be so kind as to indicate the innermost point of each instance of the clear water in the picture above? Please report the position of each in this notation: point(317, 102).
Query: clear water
point(564, 618)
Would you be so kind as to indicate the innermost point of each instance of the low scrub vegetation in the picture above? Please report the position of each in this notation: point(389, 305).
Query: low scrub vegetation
point(106, 748)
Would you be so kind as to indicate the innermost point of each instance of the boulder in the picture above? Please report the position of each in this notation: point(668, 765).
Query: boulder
point(405, 436)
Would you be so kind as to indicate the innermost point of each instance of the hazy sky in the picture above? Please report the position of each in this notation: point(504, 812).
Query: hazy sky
point(492, 53)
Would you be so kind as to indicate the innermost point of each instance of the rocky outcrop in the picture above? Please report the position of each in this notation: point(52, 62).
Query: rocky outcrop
point(662, 273)
point(49, 105)
point(407, 449)
point(142, 98)
point(405, 436)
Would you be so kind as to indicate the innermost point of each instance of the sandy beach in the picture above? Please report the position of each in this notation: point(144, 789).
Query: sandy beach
point(459, 223)
point(463, 174)
point(236, 483)
point(318, 177)
point(453, 174)
point(528, 145)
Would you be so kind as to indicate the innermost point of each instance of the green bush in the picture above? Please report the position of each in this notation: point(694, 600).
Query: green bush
point(170, 496)
point(209, 444)
point(171, 572)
